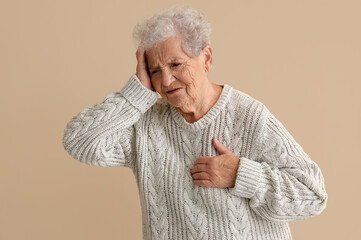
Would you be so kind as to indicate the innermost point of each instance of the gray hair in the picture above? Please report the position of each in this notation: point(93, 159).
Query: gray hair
point(184, 22)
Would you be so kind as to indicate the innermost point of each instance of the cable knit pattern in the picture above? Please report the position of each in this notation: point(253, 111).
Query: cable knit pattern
point(276, 183)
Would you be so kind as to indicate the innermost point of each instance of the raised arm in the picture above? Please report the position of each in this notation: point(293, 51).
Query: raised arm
point(283, 184)
point(103, 134)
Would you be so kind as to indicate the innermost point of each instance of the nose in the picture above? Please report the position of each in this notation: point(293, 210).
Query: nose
point(167, 77)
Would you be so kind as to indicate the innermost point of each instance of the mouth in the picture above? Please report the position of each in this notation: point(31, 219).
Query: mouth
point(174, 90)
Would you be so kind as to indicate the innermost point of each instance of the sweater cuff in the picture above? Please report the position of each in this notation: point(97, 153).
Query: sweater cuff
point(138, 95)
point(248, 178)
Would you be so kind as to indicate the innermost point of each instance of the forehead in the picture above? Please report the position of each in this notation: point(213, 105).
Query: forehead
point(167, 51)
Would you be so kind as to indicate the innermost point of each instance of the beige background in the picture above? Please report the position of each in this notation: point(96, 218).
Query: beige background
point(300, 58)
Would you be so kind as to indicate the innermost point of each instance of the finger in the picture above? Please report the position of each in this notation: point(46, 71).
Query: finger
point(140, 52)
point(219, 146)
point(141, 56)
point(204, 183)
point(202, 160)
point(201, 176)
point(199, 168)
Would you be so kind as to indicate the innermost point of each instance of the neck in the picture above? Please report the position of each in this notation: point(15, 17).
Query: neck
point(204, 102)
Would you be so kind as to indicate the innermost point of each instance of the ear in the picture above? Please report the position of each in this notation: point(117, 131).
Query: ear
point(207, 53)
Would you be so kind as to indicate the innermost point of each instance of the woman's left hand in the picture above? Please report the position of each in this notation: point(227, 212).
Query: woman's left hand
point(219, 171)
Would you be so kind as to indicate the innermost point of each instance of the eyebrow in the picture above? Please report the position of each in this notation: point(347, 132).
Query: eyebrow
point(172, 60)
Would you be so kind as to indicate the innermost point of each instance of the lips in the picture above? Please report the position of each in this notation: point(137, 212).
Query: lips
point(173, 90)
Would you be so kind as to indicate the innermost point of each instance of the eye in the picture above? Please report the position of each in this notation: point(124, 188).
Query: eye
point(154, 71)
point(176, 64)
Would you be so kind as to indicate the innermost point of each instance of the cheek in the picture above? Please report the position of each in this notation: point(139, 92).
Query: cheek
point(156, 85)
point(189, 78)
point(186, 75)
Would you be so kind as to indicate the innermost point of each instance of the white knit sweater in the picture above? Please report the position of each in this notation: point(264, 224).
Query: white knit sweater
point(277, 182)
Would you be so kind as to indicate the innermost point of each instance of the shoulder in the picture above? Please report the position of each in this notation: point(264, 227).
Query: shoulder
point(253, 117)
point(160, 106)
point(239, 97)
point(158, 110)
point(250, 106)
point(252, 112)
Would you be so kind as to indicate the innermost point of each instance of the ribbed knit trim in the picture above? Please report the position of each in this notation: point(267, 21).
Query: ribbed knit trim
point(138, 95)
point(208, 117)
point(248, 178)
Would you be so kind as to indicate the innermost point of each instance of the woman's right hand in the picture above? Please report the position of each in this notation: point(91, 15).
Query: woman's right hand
point(142, 69)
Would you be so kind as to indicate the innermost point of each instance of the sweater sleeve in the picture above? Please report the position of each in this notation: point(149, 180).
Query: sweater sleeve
point(282, 184)
point(103, 134)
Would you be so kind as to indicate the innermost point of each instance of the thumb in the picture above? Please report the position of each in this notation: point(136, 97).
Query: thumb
point(219, 146)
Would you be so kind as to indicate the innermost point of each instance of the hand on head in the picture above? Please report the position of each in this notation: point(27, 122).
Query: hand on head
point(142, 69)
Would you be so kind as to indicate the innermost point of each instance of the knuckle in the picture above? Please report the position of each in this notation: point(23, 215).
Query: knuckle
point(212, 162)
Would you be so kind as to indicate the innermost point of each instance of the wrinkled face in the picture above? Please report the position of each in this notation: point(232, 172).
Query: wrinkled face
point(176, 76)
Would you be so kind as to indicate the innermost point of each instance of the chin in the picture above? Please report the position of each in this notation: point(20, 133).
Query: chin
point(177, 103)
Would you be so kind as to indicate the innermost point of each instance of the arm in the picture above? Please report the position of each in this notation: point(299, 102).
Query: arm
point(283, 184)
point(103, 134)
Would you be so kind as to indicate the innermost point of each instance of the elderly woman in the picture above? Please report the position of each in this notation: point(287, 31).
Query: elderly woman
point(211, 162)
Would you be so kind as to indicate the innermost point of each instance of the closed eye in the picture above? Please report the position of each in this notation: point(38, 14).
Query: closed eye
point(154, 71)
point(175, 64)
